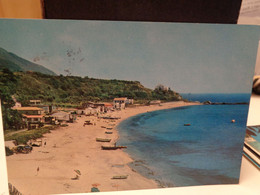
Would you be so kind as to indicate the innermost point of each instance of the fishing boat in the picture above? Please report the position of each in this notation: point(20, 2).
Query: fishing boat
point(112, 147)
point(103, 140)
point(120, 177)
point(108, 132)
point(111, 118)
point(187, 124)
point(109, 128)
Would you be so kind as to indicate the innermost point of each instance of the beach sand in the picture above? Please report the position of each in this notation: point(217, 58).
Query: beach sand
point(49, 169)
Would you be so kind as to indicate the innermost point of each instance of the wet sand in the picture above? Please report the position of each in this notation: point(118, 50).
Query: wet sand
point(49, 169)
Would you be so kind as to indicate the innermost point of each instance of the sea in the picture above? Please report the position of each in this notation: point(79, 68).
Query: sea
point(209, 151)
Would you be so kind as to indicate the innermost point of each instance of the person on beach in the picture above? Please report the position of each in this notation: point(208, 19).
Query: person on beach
point(38, 169)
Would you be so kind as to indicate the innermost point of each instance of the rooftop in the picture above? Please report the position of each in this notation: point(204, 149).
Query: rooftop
point(28, 108)
point(33, 116)
point(120, 99)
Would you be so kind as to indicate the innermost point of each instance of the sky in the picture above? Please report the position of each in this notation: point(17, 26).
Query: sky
point(188, 58)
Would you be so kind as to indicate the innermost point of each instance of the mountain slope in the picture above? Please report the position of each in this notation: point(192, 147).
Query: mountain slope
point(16, 63)
point(75, 90)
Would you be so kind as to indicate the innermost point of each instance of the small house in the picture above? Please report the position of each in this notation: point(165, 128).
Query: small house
point(155, 102)
point(129, 101)
point(81, 111)
point(88, 104)
point(120, 103)
point(30, 110)
point(32, 116)
point(62, 116)
point(35, 102)
point(33, 121)
point(47, 109)
point(103, 107)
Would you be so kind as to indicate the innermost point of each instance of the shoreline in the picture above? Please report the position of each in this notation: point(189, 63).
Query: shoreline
point(74, 148)
point(138, 165)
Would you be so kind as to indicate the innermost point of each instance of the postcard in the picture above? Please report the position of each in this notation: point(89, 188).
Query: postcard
point(252, 145)
point(104, 106)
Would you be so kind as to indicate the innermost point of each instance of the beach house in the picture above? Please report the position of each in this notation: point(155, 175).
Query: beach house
point(81, 110)
point(62, 116)
point(103, 107)
point(47, 108)
point(119, 103)
point(32, 116)
point(155, 102)
point(35, 102)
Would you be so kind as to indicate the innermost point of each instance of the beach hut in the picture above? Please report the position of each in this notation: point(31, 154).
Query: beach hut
point(103, 107)
point(119, 103)
point(155, 102)
point(63, 116)
point(81, 111)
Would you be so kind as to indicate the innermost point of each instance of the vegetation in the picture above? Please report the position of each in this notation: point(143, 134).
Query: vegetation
point(68, 91)
point(24, 136)
point(74, 90)
point(8, 83)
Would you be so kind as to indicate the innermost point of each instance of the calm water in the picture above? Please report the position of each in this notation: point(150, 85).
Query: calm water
point(207, 152)
point(228, 98)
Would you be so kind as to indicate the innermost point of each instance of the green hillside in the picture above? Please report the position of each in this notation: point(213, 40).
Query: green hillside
point(16, 63)
point(76, 90)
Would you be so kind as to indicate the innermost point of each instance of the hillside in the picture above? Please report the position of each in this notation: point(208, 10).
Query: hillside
point(76, 90)
point(16, 63)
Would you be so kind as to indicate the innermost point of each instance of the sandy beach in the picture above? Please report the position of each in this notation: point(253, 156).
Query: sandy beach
point(49, 169)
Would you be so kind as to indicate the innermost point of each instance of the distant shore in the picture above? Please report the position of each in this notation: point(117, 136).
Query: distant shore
point(50, 169)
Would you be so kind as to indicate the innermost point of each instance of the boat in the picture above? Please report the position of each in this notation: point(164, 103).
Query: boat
point(103, 140)
point(120, 177)
point(111, 118)
point(112, 147)
point(187, 124)
point(109, 128)
point(108, 132)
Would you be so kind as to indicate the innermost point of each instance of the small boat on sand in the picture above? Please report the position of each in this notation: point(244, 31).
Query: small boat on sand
point(103, 140)
point(120, 177)
point(108, 132)
point(111, 118)
point(112, 147)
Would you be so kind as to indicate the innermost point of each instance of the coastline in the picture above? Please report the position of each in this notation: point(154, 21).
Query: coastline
point(74, 148)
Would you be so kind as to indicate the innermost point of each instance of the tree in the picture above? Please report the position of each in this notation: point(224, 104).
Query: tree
point(8, 82)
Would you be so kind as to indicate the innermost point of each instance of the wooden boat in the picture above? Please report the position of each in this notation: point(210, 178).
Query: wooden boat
point(75, 178)
point(108, 132)
point(111, 118)
point(103, 140)
point(187, 124)
point(109, 128)
point(103, 127)
point(120, 177)
point(112, 147)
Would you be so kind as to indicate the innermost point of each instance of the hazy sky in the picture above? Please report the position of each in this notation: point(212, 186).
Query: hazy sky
point(189, 58)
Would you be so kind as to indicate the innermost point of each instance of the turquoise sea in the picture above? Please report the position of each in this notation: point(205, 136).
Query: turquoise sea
point(209, 151)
